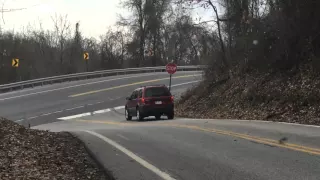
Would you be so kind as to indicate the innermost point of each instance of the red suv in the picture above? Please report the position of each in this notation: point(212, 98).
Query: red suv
point(150, 101)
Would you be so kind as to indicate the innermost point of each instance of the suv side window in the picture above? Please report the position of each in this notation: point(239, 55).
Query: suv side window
point(135, 94)
point(140, 93)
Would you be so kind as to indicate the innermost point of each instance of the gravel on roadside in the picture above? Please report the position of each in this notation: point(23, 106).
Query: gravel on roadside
point(35, 154)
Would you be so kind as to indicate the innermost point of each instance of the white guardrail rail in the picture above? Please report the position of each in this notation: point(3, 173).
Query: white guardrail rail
point(87, 75)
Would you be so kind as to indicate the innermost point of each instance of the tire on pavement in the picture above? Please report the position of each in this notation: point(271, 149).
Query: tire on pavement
point(140, 116)
point(127, 115)
point(170, 115)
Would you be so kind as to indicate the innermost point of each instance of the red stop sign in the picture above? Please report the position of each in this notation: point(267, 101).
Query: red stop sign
point(171, 68)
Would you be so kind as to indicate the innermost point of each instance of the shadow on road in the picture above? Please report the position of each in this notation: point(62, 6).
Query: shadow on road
point(149, 119)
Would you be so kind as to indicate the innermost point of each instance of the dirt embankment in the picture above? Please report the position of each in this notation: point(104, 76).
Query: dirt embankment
point(35, 154)
point(288, 97)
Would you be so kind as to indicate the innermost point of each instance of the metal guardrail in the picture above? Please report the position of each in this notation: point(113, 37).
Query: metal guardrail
point(87, 75)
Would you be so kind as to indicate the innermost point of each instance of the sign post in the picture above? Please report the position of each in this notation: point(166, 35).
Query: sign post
point(171, 68)
point(86, 58)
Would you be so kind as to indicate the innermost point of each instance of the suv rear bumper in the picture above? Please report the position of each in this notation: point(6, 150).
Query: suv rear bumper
point(153, 110)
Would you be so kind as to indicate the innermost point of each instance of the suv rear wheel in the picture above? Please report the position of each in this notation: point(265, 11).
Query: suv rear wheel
point(170, 115)
point(126, 113)
point(139, 115)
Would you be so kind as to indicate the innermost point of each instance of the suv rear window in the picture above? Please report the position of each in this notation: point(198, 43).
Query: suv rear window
point(157, 92)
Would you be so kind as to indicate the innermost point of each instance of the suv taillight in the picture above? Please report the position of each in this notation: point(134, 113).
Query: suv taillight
point(172, 98)
point(142, 101)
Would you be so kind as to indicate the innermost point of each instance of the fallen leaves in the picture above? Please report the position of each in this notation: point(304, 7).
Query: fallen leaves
point(273, 97)
point(35, 154)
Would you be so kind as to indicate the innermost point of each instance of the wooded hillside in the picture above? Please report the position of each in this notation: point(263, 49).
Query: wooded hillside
point(266, 63)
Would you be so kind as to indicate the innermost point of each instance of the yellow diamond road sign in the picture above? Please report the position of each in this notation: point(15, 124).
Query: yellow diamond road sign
point(86, 56)
point(15, 62)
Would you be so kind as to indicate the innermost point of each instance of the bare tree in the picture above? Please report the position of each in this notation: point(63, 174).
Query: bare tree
point(62, 31)
point(140, 21)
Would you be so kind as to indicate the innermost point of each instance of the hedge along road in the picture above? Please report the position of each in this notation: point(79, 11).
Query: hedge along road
point(44, 104)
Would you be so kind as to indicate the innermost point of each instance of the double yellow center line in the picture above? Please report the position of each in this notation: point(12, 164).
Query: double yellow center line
point(266, 141)
point(271, 142)
point(131, 84)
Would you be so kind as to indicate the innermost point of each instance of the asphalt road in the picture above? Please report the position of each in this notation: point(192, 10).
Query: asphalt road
point(166, 149)
point(198, 149)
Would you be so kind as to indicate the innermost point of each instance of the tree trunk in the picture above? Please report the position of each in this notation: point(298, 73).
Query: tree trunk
point(220, 36)
point(154, 44)
point(142, 41)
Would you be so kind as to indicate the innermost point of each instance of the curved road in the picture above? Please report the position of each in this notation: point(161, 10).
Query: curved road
point(177, 149)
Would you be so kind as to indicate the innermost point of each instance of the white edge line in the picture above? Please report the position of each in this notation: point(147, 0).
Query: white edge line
point(46, 114)
point(84, 114)
point(185, 83)
point(119, 107)
point(75, 116)
point(34, 117)
point(101, 111)
point(307, 125)
point(144, 163)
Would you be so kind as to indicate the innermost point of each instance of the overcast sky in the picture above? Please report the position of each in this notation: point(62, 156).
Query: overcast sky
point(95, 16)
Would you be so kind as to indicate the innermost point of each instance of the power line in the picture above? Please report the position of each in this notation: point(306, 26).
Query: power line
point(2, 10)
point(16, 9)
